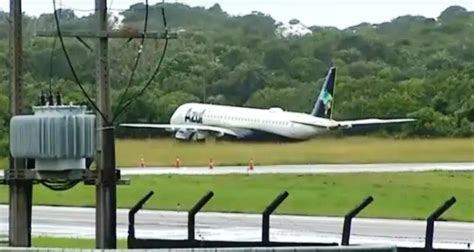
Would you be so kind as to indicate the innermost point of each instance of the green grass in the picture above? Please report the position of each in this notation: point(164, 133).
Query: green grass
point(3, 163)
point(163, 152)
point(54, 242)
point(397, 195)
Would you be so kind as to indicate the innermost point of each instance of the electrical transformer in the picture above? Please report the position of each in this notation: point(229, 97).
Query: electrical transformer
point(58, 137)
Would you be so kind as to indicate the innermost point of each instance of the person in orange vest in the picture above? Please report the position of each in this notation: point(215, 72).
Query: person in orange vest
point(211, 164)
point(178, 162)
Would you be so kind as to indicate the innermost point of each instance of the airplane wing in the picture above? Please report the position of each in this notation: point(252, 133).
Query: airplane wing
point(175, 127)
point(371, 121)
point(331, 124)
point(314, 123)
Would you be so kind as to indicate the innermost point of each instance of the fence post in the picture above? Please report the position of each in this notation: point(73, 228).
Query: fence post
point(346, 231)
point(131, 215)
point(266, 215)
point(192, 213)
point(432, 218)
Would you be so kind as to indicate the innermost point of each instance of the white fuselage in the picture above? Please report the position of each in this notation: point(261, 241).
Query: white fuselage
point(249, 122)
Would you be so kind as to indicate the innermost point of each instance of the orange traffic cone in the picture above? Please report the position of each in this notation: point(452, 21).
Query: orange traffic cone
point(211, 164)
point(178, 163)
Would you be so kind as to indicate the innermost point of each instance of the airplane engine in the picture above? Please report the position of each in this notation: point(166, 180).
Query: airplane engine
point(348, 126)
point(190, 135)
point(199, 136)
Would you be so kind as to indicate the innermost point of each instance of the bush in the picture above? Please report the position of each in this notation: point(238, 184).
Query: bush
point(3, 147)
point(431, 123)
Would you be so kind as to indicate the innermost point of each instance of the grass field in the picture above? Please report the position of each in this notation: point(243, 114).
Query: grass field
point(54, 242)
point(163, 152)
point(397, 195)
point(3, 163)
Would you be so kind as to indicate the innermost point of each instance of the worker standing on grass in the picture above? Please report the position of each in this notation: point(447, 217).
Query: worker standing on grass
point(178, 162)
point(211, 164)
point(251, 165)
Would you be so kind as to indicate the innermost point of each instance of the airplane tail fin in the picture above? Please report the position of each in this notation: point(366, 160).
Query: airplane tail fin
point(323, 105)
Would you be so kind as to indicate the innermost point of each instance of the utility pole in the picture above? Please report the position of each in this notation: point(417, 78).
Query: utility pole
point(106, 183)
point(20, 193)
point(106, 196)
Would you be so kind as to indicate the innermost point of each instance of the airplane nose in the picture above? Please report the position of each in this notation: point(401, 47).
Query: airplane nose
point(174, 118)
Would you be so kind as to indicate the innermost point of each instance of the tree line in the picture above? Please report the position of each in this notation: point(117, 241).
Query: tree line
point(410, 66)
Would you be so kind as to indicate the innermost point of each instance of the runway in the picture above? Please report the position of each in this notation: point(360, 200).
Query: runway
point(301, 169)
point(79, 222)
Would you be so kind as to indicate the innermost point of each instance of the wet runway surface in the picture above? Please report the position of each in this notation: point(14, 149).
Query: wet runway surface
point(80, 222)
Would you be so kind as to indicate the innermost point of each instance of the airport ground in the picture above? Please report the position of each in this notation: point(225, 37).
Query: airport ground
point(397, 195)
point(163, 151)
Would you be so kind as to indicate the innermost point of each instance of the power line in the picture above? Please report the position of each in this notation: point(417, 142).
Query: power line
point(157, 69)
point(147, 84)
point(60, 185)
point(53, 47)
point(76, 78)
point(137, 59)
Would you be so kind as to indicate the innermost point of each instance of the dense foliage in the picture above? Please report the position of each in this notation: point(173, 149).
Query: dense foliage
point(412, 66)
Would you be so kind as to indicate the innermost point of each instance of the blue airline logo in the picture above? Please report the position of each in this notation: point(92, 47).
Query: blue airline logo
point(326, 98)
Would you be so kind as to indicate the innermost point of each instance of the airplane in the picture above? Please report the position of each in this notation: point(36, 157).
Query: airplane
point(197, 121)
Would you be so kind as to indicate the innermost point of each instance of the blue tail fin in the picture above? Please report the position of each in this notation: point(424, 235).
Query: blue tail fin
point(324, 103)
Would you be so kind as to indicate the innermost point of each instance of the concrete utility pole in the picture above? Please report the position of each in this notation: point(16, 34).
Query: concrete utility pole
point(20, 195)
point(106, 201)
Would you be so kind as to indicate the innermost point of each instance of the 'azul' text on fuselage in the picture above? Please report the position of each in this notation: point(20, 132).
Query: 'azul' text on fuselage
point(194, 116)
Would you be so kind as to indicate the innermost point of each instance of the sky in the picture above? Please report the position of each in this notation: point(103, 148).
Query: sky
point(338, 13)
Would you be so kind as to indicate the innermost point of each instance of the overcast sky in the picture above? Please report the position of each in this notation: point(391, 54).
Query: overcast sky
point(339, 13)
